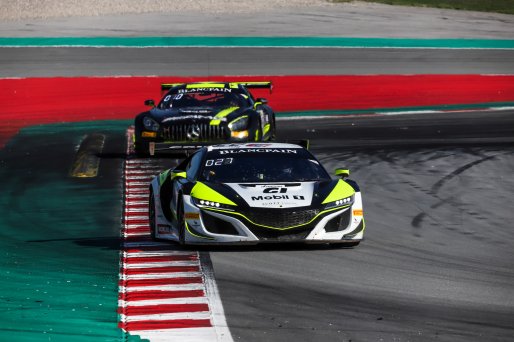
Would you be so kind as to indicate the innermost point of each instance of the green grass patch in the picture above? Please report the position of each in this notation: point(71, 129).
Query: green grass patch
point(500, 6)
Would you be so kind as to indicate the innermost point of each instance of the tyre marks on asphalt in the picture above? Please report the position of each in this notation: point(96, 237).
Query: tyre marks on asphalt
point(164, 293)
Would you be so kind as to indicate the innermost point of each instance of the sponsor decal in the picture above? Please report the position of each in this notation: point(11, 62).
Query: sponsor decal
point(358, 212)
point(163, 228)
point(274, 190)
point(184, 147)
point(278, 197)
point(259, 150)
point(196, 90)
point(189, 117)
point(195, 111)
point(191, 216)
point(258, 145)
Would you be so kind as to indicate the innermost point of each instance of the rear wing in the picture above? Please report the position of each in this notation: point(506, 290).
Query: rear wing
point(255, 85)
point(249, 85)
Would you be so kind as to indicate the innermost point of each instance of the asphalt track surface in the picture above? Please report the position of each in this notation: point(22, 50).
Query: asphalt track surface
point(25, 62)
point(437, 259)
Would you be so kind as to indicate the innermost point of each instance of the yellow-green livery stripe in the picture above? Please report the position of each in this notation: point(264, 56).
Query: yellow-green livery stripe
point(203, 192)
point(163, 176)
point(275, 228)
point(340, 191)
point(266, 128)
point(205, 85)
point(217, 119)
point(192, 232)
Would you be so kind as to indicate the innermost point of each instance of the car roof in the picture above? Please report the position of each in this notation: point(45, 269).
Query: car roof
point(252, 146)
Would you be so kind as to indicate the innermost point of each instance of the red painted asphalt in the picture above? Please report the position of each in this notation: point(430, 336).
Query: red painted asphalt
point(30, 101)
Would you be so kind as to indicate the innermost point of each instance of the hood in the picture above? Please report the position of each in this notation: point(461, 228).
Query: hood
point(195, 114)
point(275, 195)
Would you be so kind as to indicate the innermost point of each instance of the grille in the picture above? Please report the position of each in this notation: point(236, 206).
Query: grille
point(265, 234)
point(281, 218)
point(194, 132)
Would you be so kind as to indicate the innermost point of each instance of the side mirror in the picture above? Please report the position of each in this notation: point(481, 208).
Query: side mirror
point(150, 103)
point(343, 173)
point(261, 100)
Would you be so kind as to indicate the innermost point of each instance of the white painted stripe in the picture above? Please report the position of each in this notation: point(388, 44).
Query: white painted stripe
point(157, 253)
point(138, 196)
point(127, 234)
point(219, 322)
point(142, 167)
point(181, 300)
point(162, 264)
point(139, 171)
point(143, 189)
point(129, 179)
point(167, 316)
point(137, 210)
point(136, 202)
point(183, 335)
point(132, 183)
point(138, 161)
point(135, 225)
point(412, 112)
point(136, 217)
point(160, 275)
point(501, 108)
point(179, 287)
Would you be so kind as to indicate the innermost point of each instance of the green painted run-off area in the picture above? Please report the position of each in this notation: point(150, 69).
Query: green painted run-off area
point(315, 42)
point(59, 237)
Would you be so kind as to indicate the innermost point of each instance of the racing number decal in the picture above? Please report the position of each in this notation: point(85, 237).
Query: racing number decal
point(219, 161)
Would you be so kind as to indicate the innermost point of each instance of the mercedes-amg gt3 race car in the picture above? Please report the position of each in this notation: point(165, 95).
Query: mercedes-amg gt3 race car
point(191, 115)
point(252, 193)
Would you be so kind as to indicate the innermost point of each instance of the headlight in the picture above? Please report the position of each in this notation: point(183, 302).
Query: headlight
point(210, 204)
point(150, 124)
point(344, 202)
point(239, 124)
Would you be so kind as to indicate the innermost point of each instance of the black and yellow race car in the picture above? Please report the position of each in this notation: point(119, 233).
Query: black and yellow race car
point(191, 115)
point(255, 193)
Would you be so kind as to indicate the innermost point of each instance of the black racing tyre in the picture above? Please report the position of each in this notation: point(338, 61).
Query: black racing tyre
point(273, 129)
point(141, 149)
point(151, 215)
point(181, 223)
point(345, 244)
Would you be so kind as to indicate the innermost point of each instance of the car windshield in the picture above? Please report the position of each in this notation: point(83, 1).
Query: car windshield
point(213, 97)
point(262, 167)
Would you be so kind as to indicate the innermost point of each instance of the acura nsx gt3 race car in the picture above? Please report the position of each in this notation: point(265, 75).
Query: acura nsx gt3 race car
point(252, 193)
point(191, 115)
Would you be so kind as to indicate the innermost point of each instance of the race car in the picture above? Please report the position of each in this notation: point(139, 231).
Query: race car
point(191, 115)
point(255, 193)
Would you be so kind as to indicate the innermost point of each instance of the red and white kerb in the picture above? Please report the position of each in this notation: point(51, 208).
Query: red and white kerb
point(165, 294)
